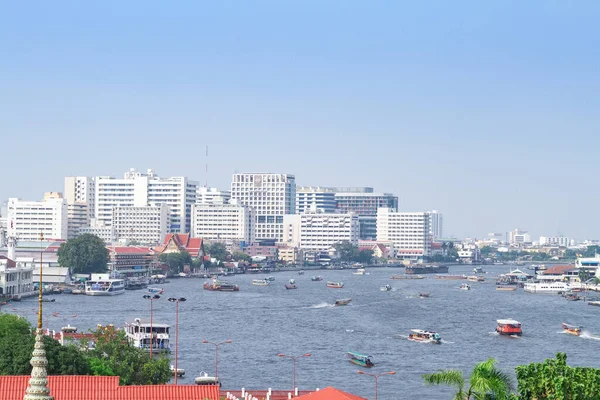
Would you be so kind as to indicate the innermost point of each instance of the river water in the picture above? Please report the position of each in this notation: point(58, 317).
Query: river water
point(265, 321)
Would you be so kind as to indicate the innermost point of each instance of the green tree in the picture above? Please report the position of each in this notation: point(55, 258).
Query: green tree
point(84, 254)
point(570, 254)
point(364, 256)
point(176, 261)
point(486, 382)
point(591, 251)
point(554, 379)
point(584, 275)
point(217, 250)
point(346, 251)
point(486, 251)
point(241, 256)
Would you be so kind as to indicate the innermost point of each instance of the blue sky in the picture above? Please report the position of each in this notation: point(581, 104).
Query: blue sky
point(486, 111)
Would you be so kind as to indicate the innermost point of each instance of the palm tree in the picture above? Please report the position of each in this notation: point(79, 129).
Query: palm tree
point(485, 383)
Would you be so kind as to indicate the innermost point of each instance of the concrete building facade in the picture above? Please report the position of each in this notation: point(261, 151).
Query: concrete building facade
point(146, 225)
point(219, 221)
point(27, 219)
point(206, 194)
point(318, 232)
point(78, 216)
point(313, 198)
point(408, 231)
point(436, 223)
point(81, 189)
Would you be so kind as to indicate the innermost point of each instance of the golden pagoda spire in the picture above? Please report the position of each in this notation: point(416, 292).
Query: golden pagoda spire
point(38, 389)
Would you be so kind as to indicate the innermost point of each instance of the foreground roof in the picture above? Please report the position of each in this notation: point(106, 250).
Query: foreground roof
point(330, 393)
point(78, 387)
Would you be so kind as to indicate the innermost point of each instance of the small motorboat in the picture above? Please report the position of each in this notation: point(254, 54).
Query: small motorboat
point(301, 272)
point(342, 302)
point(424, 294)
point(270, 278)
point(291, 284)
point(316, 278)
point(478, 270)
point(261, 282)
point(48, 300)
point(361, 271)
point(180, 371)
point(474, 278)
point(508, 327)
point(419, 335)
point(465, 286)
point(386, 288)
point(506, 288)
point(204, 379)
point(572, 297)
point(335, 285)
point(69, 329)
point(362, 360)
point(155, 290)
point(572, 329)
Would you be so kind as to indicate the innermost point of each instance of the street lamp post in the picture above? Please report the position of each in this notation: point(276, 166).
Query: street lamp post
point(176, 301)
point(216, 354)
point(294, 358)
point(151, 298)
point(376, 376)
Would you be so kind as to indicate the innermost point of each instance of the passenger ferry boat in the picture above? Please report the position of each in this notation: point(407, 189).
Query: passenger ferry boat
point(102, 285)
point(362, 360)
point(143, 335)
point(335, 285)
point(547, 287)
point(261, 282)
point(220, 286)
point(572, 329)
point(419, 335)
point(508, 327)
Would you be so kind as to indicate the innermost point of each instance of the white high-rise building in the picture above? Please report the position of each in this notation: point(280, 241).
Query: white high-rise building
point(137, 189)
point(560, 241)
point(81, 189)
point(409, 231)
point(436, 222)
point(519, 237)
point(320, 231)
point(206, 194)
point(220, 221)
point(147, 225)
point(270, 196)
point(78, 216)
point(313, 198)
point(27, 219)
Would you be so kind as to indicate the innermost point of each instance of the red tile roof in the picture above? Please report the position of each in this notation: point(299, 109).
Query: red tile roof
point(129, 250)
point(78, 387)
point(557, 270)
point(184, 242)
point(330, 393)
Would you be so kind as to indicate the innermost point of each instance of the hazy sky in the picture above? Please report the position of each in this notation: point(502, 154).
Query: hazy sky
point(488, 111)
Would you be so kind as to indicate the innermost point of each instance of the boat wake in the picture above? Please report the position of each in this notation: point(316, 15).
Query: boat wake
point(446, 342)
point(322, 305)
point(587, 335)
point(350, 330)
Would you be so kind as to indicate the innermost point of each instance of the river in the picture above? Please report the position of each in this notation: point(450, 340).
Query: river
point(265, 321)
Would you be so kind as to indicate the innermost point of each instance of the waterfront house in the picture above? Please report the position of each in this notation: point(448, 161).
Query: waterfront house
point(15, 279)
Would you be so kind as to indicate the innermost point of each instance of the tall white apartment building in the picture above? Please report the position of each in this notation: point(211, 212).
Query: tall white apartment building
point(313, 198)
point(228, 222)
point(560, 241)
point(269, 196)
point(27, 219)
point(206, 194)
point(147, 225)
point(81, 189)
point(78, 216)
point(519, 237)
point(320, 231)
point(137, 189)
point(436, 223)
point(409, 231)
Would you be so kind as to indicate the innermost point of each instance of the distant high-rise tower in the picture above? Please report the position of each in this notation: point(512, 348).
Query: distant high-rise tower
point(270, 196)
point(436, 222)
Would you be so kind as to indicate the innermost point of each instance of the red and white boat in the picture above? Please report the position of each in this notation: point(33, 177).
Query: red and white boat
point(572, 329)
point(335, 285)
point(419, 335)
point(509, 327)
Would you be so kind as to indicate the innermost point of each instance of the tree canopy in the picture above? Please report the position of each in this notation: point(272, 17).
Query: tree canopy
point(349, 252)
point(241, 256)
point(176, 261)
point(217, 250)
point(85, 254)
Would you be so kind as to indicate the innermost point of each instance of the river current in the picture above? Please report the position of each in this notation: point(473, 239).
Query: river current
point(265, 321)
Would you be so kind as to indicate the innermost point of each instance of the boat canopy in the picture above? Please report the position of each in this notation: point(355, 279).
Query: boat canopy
point(508, 322)
point(359, 356)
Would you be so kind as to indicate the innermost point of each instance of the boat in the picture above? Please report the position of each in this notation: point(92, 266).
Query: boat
point(204, 379)
point(547, 287)
point(301, 272)
point(342, 302)
point(180, 371)
point(149, 336)
point(572, 329)
point(572, 297)
point(594, 303)
point(361, 271)
point(335, 285)
point(78, 291)
point(465, 286)
point(362, 360)
point(478, 270)
point(48, 300)
point(425, 269)
point(424, 294)
point(506, 288)
point(419, 335)
point(398, 277)
point(316, 278)
point(155, 290)
point(291, 284)
point(386, 288)
point(220, 286)
point(105, 287)
point(69, 329)
point(261, 282)
point(473, 278)
point(508, 327)
point(451, 277)
point(270, 278)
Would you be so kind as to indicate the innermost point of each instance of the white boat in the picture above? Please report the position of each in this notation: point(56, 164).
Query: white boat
point(138, 334)
point(204, 379)
point(465, 286)
point(547, 287)
point(260, 282)
point(180, 371)
point(105, 287)
point(360, 271)
point(419, 335)
point(386, 288)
